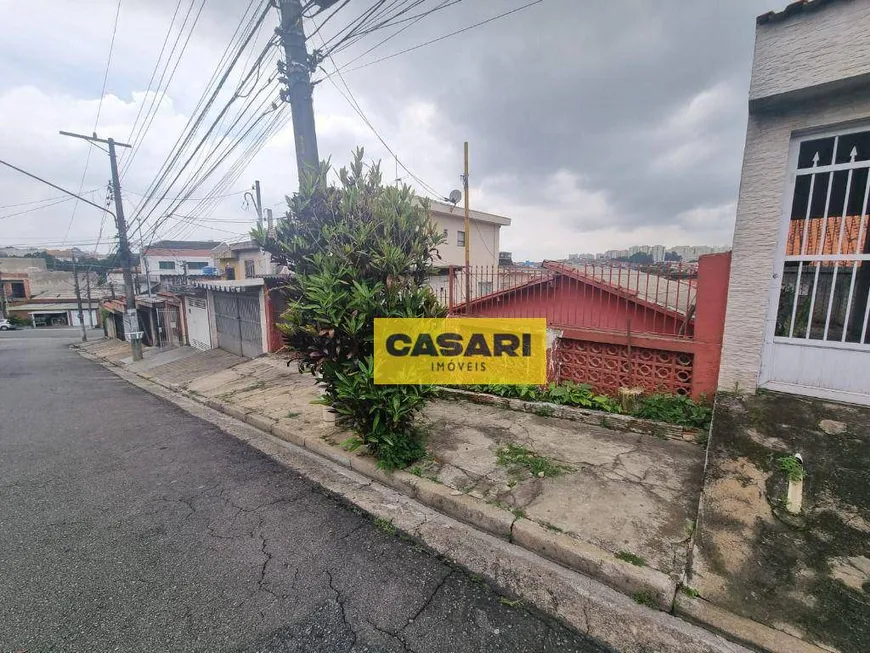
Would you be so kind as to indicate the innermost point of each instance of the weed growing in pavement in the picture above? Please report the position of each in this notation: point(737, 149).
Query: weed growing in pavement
point(690, 591)
point(291, 414)
point(792, 467)
point(515, 456)
point(519, 513)
point(544, 411)
point(385, 526)
point(645, 597)
point(510, 603)
point(551, 527)
point(631, 558)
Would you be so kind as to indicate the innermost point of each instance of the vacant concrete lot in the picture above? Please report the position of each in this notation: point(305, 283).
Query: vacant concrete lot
point(127, 524)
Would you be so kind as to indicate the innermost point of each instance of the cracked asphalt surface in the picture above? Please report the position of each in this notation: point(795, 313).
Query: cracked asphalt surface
point(127, 524)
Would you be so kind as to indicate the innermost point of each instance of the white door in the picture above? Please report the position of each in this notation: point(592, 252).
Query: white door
point(817, 337)
point(198, 331)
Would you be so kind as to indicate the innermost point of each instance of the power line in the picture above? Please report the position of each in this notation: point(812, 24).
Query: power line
point(356, 107)
point(200, 114)
point(154, 71)
point(97, 120)
point(154, 106)
point(108, 64)
point(413, 21)
point(446, 36)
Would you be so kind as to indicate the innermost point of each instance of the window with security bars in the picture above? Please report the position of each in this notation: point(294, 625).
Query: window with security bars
point(826, 271)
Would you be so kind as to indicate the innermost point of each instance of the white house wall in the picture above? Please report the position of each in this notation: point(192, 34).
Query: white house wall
point(153, 263)
point(484, 240)
point(757, 243)
point(811, 49)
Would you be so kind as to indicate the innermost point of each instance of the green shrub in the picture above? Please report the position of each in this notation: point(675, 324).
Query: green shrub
point(675, 409)
point(357, 251)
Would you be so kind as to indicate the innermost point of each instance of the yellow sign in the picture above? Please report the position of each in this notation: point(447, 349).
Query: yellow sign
point(452, 351)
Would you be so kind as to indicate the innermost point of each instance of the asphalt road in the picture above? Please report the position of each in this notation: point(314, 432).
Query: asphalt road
point(127, 524)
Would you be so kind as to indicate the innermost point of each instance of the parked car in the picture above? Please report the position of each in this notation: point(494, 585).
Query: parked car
point(6, 325)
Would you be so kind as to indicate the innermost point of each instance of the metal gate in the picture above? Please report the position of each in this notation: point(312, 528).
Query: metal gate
point(168, 326)
point(237, 320)
point(197, 323)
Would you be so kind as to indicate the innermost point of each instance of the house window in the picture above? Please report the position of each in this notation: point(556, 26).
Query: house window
point(196, 265)
point(825, 283)
point(18, 291)
point(166, 265)
point(484, 288)
point(445, 234)
point(460, 238)
point(249, 269)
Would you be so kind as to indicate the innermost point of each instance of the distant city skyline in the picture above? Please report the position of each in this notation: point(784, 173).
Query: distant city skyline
point(658, 252)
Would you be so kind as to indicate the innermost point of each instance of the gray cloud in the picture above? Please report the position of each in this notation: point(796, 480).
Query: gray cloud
point(620, 117)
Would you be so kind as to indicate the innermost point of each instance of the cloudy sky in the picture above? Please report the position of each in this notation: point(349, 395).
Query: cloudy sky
point(593, 125)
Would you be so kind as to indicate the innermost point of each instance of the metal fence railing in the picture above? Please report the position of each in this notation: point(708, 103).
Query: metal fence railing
point(651, 299)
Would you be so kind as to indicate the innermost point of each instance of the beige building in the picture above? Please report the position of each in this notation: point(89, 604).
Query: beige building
point(797, 315)
point(485, 233)
point(484, 249)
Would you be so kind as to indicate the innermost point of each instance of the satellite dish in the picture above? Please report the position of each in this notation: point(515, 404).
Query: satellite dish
point(455, 196)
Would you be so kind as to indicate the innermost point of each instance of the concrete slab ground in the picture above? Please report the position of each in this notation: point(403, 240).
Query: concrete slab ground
point(807, 574)
point(201, 363)
point(620, 491)
point(155, 357)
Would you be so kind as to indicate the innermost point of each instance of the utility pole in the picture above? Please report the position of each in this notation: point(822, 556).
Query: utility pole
point(467, 232)
point(2, 296)
point(90, 310)
point(296, 73)
point(257, 201)
point(79, 299)
point(132, 326)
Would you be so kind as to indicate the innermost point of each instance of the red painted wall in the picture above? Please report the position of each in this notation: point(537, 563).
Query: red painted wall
point(713, 274)
point(598, 346)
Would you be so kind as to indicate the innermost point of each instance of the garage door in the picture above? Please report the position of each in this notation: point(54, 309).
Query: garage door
point(237, 321)
point(197, 323)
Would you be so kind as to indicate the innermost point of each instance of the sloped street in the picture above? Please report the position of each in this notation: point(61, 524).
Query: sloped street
point(127, 524)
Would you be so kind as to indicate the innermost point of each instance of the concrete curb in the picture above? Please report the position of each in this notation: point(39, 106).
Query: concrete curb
point(740, 628)
point(581, 602)
point(584, 415)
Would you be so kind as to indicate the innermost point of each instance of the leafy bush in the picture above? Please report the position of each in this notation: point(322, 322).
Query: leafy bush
point(18, 321)
point(675, 409)
point(357, 251)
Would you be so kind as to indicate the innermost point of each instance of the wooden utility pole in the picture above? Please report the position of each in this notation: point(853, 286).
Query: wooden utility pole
point(79, 298)
point(88, 286)
point(132, 321)
point(297, 77)
point(467, 231)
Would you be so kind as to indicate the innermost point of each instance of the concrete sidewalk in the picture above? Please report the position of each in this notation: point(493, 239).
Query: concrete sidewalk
point(616, 506)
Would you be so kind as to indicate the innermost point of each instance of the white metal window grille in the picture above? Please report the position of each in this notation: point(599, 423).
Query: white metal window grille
point(825, 290)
